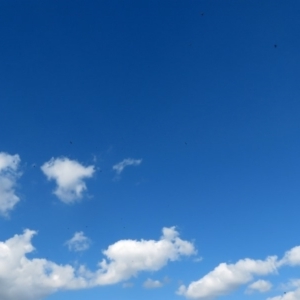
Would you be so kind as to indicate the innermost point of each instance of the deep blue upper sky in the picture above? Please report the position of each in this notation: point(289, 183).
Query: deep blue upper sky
point(206, 93)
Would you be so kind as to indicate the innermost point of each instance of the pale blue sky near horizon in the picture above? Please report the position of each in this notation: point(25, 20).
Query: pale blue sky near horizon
point(204, 93)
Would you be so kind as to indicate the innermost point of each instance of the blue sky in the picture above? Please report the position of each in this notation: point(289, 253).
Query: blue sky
point(149, 149)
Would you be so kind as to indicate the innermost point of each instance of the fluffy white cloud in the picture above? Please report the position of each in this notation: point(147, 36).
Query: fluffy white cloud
point(119, 167)
point(128, 257)
point(25, 279)
point(152, 284)
point(79, 242)
point(69, 175)
point(9, 165)
point(261, 286)
point(33, 279)
point(227, 277)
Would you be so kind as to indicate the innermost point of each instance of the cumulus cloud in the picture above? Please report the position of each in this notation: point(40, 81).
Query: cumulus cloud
point(119, 167)
point(227, 277)
point(79, 242)
point(30, 279)
point(33, 279)
point(126, 258)
point(68, 175)
point(152, 284)
point(9, 165)
point(261, 286)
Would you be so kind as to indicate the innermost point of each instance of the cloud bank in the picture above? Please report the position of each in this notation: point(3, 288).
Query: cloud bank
point(68, 175)
point(33, 279)
point(9, 165)
point(119, 167)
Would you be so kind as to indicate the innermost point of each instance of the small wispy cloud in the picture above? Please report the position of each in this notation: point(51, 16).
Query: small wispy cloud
point(152, 284)
point(292, 283)
point(198, 259)
point(79, 242)
point(127, 285)
point(9, 173)
point(68, 175)
point(119, 167)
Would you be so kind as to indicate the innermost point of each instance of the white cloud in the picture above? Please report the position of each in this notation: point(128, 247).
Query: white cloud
point(79, 242)
point(128, 257)
point(227, 277)
point(25, 279)
point(261, 286)
point(119, 167)
point(69, 175)
point(33, 279)
point(152, 284)
point(291, 257)
point(9, 165)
